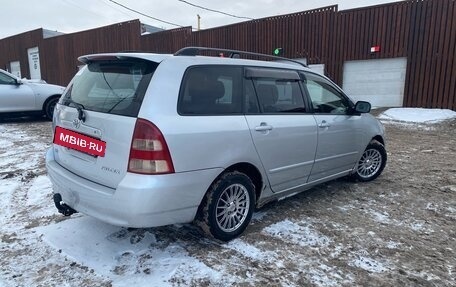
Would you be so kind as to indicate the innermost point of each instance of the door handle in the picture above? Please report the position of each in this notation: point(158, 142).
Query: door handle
point(324, 124)
point(263, 127)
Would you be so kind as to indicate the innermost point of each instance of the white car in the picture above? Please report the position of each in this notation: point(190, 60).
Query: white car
point(26, 96)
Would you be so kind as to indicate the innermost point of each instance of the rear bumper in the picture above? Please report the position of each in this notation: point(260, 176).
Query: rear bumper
point(138, 200)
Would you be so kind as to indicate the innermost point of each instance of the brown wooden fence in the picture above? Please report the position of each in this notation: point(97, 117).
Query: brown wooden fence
point(431, 79)
point(59, 54)
point(423, 31)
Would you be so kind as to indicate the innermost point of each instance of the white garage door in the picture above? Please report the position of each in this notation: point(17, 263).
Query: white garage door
point(380, 82)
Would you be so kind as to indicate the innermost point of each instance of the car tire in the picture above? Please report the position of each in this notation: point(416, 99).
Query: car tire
point(49, 107)
point(228, 206)
point(371, 163)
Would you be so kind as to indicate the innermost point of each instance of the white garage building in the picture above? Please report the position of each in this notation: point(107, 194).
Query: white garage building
point(379, 81)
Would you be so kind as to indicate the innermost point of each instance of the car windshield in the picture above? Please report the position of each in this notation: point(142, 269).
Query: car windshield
point(6, 78)
point(115, 87)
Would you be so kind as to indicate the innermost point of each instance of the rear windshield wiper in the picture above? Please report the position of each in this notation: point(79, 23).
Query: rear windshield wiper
point(79, 107)
point(120, 101)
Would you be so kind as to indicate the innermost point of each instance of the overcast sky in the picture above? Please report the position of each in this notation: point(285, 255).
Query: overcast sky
point(17, 16)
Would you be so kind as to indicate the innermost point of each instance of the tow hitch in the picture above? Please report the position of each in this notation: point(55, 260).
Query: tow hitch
point(61, 206)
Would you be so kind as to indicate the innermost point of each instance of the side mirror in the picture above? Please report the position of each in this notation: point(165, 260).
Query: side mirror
point(17, 82)
point(362, 107)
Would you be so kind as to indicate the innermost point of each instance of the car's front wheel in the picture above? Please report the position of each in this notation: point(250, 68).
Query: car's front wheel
point(228, 206)
point(371, 163)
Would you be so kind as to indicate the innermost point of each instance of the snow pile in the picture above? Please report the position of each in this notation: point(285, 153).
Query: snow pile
point(417, 115)
point(128, 257)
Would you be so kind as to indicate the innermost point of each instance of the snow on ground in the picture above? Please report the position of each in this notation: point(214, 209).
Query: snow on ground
point(38, 196)
point(111, 251)
point(298, 233)
point(7, 189)
point(367, 263)
point(417, 115)
point(249, 250)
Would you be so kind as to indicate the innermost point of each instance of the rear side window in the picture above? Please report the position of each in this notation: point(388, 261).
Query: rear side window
point(114, 87)
point(211, 90)
point(277, 91)
point(279, 96)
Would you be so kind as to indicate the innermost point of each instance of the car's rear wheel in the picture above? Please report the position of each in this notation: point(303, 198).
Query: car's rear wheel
point(49, 107)
point(371, 163)
point(228, 206)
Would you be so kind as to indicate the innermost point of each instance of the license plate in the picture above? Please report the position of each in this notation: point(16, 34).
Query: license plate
point(79, 142)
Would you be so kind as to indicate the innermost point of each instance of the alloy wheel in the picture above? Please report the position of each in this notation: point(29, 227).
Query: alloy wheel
point(370, 163)
point(232, 207)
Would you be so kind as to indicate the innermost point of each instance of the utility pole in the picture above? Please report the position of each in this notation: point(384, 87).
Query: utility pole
point(199, 21)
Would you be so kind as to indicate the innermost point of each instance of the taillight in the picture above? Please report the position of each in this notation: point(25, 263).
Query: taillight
point(149, 153)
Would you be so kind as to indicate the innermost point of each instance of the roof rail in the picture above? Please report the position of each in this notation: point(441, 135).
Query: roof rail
point(193, 51)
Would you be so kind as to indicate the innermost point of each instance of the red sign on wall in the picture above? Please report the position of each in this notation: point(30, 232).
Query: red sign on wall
point(375, 49)
point(80, 142)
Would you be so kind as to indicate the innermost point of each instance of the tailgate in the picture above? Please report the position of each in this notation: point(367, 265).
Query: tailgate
point(95, 118)
point(115, 131)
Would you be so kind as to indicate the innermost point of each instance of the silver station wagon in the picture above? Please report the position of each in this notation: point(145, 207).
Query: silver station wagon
point(144, 140)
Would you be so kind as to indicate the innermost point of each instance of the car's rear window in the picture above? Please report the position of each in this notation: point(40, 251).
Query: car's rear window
point(114, 87)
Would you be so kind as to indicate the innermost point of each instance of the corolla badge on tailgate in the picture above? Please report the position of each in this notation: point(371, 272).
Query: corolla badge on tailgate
point(110, 169)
